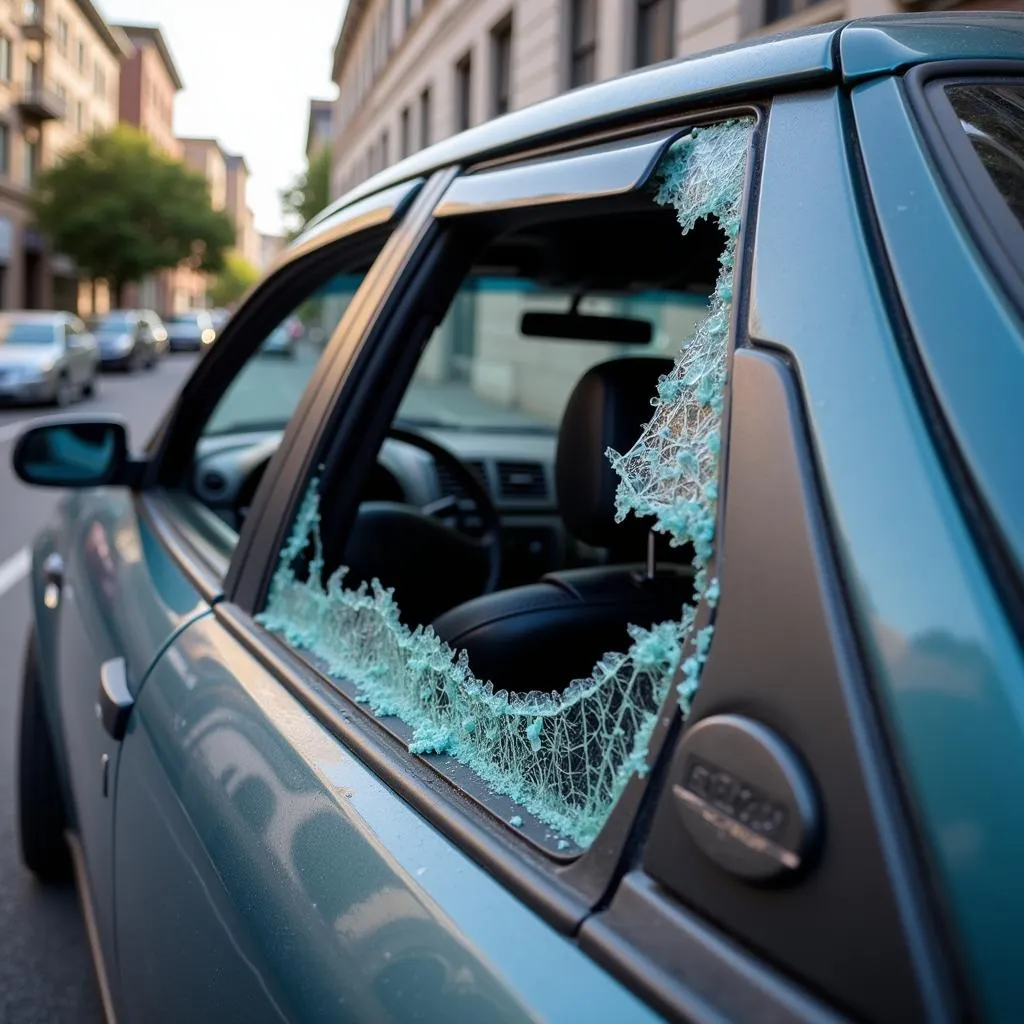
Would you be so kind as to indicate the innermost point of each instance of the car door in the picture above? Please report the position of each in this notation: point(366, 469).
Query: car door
point(197, 963)
point(305, 888)
point(693, 893)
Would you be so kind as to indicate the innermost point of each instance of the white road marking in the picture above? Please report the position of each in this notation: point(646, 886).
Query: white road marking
point(9, 431)
point(14, 570)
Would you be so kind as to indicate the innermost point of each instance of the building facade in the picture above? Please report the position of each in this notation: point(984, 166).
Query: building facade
point(149, 84)
point(318, 128)
point(411, 72)
point(59, 81)
point(247, 240)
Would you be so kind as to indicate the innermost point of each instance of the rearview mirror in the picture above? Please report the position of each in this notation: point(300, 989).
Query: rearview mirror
point(621, 330)
point(60, 452)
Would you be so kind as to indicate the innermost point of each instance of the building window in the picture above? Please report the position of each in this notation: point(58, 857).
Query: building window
point(62, 95)
point(406, 13)
point(5, 148)
point(31, 154)
point(99, 81)
point(464, 93)
point(384, 147)
point(404, 134)
point(33, 75)
point(655, 31)
point(5, 59)
point(80, 56)
point(774, 10)
point(426, 117)
point(582, 42)
point(79, 116)
point(501, 67)
point(62, 36)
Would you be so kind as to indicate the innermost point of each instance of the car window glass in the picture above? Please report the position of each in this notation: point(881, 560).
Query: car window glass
point(566, 413)
point(249, 419)
point(263, 396)
point(992, 116)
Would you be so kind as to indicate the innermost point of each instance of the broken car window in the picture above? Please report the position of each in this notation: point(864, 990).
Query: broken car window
point(564, 756)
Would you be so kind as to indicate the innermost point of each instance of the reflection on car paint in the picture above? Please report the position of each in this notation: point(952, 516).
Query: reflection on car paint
point(566, 757)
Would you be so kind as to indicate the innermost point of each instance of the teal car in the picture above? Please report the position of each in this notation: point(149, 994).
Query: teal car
point(619, 618)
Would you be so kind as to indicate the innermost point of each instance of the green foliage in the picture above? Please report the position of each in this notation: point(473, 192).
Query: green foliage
point(234, 280)
point(309, 193)
point(121, 210)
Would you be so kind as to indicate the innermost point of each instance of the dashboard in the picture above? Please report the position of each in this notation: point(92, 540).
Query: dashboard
point(515, 468)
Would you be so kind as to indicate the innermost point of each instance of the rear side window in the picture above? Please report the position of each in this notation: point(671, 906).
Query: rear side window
point(992, 117)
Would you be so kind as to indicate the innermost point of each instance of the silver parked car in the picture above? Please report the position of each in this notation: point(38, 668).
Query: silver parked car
point(46, 357)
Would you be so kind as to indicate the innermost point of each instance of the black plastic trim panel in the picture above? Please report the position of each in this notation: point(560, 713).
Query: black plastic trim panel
point(688, 969)
point(784, 655)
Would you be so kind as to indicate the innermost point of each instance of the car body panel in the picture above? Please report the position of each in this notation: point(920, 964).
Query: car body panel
point(307, 889)
point(878, 46)
point(948, 669)
point(122, 596)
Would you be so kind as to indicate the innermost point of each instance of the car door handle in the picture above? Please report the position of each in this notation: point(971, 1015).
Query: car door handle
point(116, 700)
point(53, 580)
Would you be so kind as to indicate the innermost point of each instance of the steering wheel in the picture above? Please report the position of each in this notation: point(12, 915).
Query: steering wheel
point(434, 556)
point(453, 513)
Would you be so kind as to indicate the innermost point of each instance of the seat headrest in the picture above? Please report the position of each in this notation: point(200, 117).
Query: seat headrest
point(607, 409)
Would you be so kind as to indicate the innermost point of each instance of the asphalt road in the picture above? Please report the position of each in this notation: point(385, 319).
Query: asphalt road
point(46, 974)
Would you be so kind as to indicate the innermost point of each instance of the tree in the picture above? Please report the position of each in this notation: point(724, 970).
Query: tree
point(234, 280)
point(309, 193)
point(121, 210)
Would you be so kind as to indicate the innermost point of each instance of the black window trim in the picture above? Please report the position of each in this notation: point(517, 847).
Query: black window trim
point(169, 450)
point(557, 889)
point(983, 210)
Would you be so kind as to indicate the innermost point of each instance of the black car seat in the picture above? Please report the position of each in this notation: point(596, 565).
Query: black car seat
point(545, 634)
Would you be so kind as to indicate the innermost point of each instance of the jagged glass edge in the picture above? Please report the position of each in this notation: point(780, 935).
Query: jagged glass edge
point(564, 756)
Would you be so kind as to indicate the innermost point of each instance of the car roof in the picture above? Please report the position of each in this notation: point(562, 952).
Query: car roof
point(840, 51)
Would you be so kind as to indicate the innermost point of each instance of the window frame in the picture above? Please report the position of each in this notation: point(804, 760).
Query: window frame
point(985, 213)
point(193, 539)
point(561, 889)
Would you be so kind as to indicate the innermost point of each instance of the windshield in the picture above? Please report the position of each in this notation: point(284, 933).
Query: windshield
point(15, 332)
point(480, 372)
point(190, 319)
point(112, 322)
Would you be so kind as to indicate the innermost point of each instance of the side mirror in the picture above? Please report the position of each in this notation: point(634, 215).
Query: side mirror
point(60, 452)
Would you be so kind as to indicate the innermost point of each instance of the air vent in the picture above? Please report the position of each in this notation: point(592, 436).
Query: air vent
point(451, 484)
point(522, 480)
point(213, 482)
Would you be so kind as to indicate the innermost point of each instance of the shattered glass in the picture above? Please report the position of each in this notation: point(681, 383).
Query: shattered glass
point(564, 756)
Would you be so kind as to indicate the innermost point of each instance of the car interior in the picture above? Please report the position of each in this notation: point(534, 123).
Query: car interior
point(491, 507)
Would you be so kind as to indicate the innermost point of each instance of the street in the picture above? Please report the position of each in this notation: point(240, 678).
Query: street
point(46, 973)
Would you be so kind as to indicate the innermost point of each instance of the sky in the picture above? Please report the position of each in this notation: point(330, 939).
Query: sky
point(250, 68)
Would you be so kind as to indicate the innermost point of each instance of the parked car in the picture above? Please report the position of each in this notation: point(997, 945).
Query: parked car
point(129, 339)
point(281, 341)
point(622, 619)
point(46, 357)
point(190, 331)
